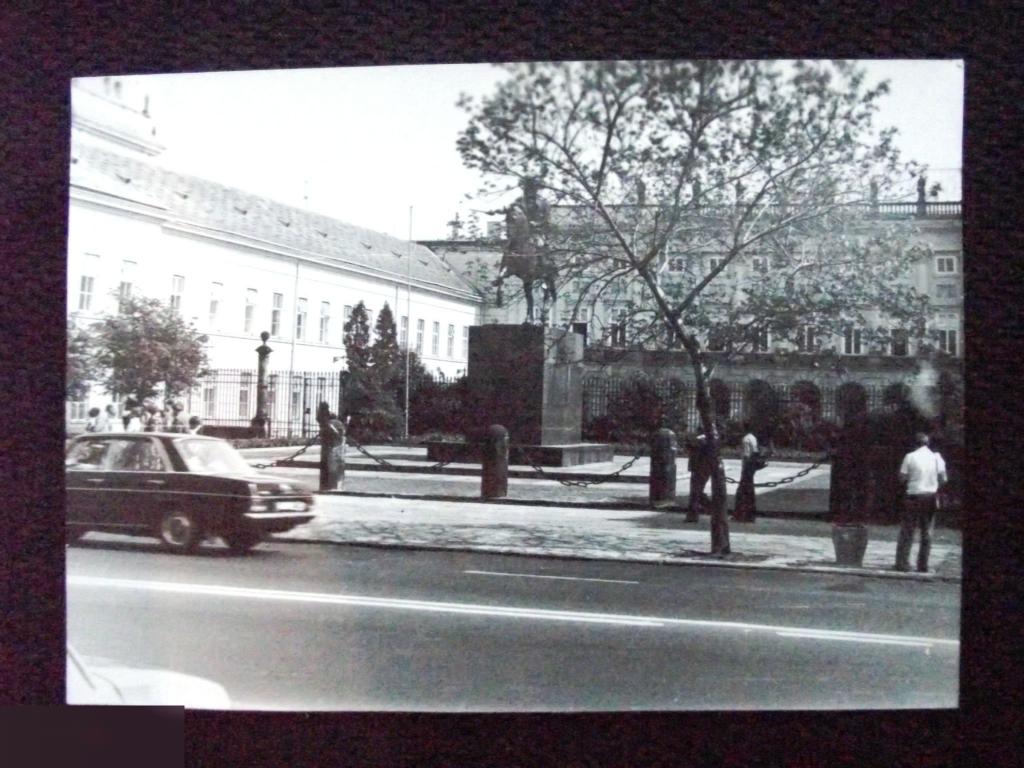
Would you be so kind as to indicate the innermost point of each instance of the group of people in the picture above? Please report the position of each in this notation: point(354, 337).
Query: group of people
point(148, 417)
point(922, 473)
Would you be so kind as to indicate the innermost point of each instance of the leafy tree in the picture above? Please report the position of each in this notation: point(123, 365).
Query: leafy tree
point(147, 347)
point(357, 339)
point(81, 362)
point(650, 167)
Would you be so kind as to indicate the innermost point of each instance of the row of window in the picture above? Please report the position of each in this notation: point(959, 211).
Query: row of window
point(249, 321)
point(852, 342)
point(944, 264)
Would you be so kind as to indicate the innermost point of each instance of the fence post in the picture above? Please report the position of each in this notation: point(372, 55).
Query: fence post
point(663, 468)
point(494, 466)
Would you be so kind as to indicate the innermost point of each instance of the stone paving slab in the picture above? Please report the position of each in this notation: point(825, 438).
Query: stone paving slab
point(588, 534)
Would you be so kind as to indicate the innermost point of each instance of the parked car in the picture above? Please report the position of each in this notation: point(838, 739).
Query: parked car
point(180, 488)
point(98, 681)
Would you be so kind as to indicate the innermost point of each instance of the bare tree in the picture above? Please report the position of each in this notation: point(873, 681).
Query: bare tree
point(668, 178)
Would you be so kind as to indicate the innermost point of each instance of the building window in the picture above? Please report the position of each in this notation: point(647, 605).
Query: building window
point(899, 342)
point(947, 291)
point(947, 341)
point(325, 321)
point(216, 291)
point(465, 342)
point(347, 312)
point(852, 341)
point(403, 332)
point(435, 338)
point(275, 315)
point(451, 340)
point(177, 290)
point(761, 340)
point(85, 293)
point(209, 400)
point(77, 410)
point(584, 315)
point(945, 265)
point(250, 309)
point(124, 290)
point(714, 263)
point(807, 341)
point(244, 386)
point(677, 264)
point(300, 319)
point(419, 337)
point(759, 264)
point(716, 340)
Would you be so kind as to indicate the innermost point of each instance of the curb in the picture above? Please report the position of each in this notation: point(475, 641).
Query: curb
point(836, 570)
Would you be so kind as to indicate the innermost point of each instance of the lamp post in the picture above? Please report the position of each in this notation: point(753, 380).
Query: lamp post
point(259, 422)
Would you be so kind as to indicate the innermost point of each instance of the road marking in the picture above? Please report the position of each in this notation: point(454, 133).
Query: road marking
point(498, 610)
point(540, 576)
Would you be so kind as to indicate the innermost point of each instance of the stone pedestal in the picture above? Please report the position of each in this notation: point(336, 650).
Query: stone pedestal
point(529, 379)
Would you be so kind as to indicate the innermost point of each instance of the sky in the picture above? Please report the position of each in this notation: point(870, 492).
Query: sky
point(375, 146)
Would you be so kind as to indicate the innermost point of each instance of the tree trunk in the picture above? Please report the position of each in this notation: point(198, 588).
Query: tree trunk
point(719, 516)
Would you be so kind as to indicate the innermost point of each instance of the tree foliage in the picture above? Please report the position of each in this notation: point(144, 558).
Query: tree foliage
point(369, 401)
point(147, 347)
point(652, 167)
point(81, 368)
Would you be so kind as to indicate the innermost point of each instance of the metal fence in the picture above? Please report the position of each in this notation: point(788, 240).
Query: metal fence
point(227, 398)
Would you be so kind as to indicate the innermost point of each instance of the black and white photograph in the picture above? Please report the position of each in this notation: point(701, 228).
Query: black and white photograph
point(557, 386)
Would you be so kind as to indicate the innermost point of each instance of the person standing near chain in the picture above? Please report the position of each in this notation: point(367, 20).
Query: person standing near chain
point(924, 473)
point(701, 466)
point(745, 510)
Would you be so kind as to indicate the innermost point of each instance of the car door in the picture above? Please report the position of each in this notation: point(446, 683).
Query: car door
point(137, 480)
point(85, 479)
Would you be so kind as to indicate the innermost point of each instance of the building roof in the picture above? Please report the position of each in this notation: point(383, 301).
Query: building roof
point(210, 205)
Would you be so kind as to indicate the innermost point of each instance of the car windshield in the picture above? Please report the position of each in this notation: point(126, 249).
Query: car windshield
point(211, 457)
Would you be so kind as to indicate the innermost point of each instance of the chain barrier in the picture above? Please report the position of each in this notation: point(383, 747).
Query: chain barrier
point(302, 450)
point(785, 480)
point(586, 483)
point(388, 464)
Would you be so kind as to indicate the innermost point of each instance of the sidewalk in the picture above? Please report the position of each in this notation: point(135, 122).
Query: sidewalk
point(547, 519)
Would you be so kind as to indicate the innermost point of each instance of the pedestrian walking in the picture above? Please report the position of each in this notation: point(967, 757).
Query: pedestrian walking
point(95, 422)
point(112, 420)
point(194, 425)
point(133, 420)
point(745, 510)
point(176, 422)
point(701, 466)
point(924, 473)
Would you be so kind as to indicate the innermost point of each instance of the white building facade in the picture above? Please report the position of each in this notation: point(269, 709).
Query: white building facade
point(236, 264)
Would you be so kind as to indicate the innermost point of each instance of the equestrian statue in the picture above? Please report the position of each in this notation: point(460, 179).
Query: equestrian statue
point(526, 253)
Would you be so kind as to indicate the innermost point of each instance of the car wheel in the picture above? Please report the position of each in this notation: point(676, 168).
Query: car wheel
point(180, 531)
point(241, 542)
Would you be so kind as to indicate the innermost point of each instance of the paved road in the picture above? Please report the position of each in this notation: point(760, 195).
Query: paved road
point(312, 626)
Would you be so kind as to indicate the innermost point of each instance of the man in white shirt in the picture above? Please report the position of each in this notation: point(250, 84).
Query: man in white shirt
point(924, 472)
point(745, 509)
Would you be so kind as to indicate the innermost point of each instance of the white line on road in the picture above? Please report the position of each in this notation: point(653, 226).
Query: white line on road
point(495, 610)
point(541, 576)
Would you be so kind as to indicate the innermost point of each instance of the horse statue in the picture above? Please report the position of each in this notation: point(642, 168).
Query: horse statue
point(525, 255)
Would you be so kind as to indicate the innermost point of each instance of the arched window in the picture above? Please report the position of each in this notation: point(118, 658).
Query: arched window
point(851, 401)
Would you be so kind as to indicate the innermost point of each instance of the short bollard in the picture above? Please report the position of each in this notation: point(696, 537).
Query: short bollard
point(663, 468)
point(494, 467)
point(332, 449)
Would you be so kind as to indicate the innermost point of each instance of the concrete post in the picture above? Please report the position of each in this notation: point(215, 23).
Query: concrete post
point(260, 423)
point(332, 449)
point(663, 468)
point(494, 467)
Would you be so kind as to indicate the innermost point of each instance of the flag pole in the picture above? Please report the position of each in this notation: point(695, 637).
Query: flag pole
point(408, 320)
